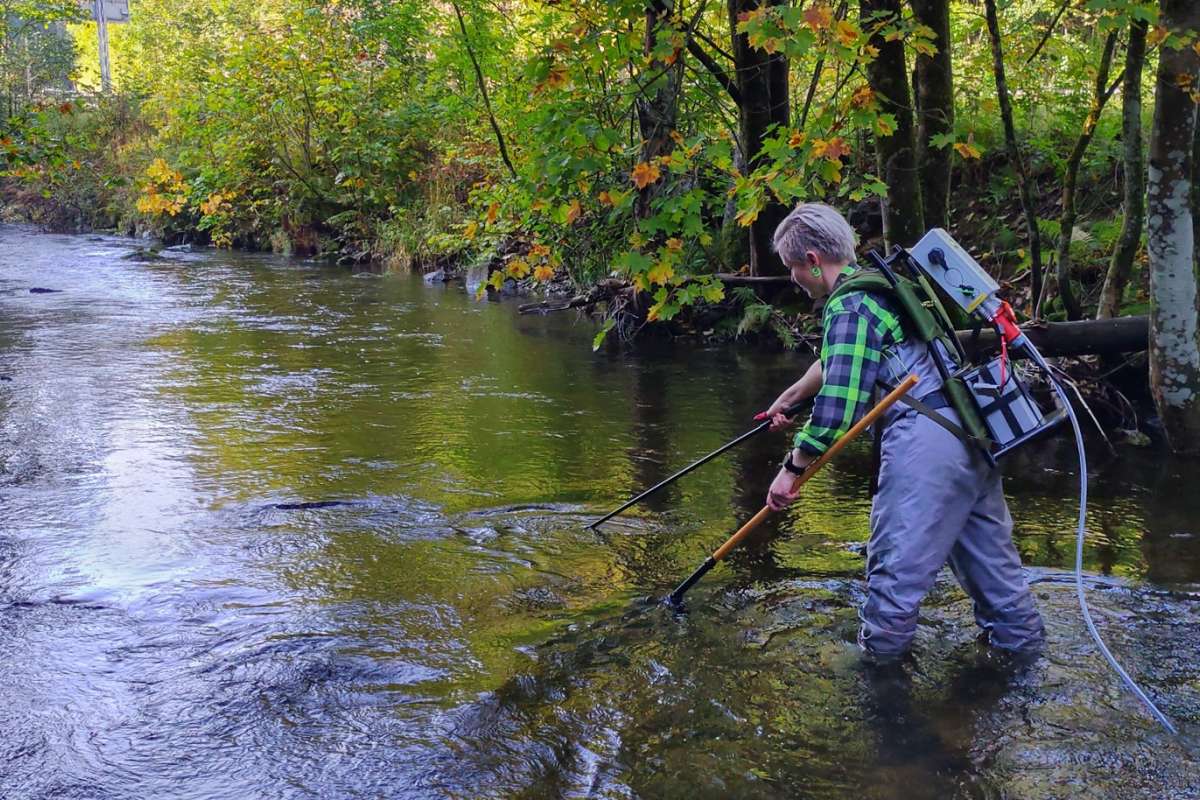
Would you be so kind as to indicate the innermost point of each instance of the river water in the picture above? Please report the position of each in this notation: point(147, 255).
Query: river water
point(270, 529)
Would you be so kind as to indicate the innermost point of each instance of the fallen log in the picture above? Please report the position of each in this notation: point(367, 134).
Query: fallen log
point(1082, 338)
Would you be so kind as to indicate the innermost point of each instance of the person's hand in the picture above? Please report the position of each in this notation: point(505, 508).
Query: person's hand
point(783, 491)
point(779, 420)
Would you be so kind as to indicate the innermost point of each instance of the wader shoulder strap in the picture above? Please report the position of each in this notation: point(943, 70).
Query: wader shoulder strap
point(926, 410)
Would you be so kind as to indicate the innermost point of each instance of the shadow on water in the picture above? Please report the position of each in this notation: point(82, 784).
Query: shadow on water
point(271, 529)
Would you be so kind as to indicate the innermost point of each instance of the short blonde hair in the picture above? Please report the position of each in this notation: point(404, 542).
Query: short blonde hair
point(817, 227)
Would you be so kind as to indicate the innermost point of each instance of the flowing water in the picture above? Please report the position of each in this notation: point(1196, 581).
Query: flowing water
point(270, 529)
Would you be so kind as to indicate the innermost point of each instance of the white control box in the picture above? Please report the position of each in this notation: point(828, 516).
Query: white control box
point(959, 276)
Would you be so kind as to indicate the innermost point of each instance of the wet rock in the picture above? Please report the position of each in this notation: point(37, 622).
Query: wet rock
point(437, 276)
point(42, 290)
point(144, 254)
point(311, 505)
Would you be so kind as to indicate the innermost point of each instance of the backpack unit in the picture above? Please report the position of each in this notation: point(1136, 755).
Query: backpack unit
point(997, 410)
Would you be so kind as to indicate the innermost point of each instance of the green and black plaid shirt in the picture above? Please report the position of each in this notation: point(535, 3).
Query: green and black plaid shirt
point(857, 328)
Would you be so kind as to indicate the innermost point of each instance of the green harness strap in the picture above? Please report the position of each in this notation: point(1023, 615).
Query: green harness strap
point(928, 320)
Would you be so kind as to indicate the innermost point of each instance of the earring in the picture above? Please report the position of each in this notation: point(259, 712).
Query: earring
point(816, 272)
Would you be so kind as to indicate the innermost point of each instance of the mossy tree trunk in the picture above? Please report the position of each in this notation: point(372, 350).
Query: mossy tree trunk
point(762, 85)
point(1174, 343)
point(935, 113)
point(903, 215)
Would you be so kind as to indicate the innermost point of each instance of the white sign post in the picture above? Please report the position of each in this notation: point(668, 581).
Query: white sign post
point(104, 12)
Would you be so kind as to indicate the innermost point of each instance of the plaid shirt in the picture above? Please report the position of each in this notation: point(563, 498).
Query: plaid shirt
point(858, 327)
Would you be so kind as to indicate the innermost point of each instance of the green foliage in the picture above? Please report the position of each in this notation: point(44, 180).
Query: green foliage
point(358, 128)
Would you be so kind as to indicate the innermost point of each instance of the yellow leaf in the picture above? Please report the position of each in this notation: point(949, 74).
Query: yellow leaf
point(796, 139)
point(497, 280)
point(652, 314)
point(677, 137)
point(660, 273)
point(543, 273)
point(884, 127)
point(518, 268)
point(605, 199)
point(706, 239)
point(493, 212)
point(639, 282)
point(1156, 35)
point(539, 205)
point(573, 212)
point(471, 230)
point(674, 244)
point(966, 150)
point(746, 218)
point(644, 174)
point(847, 33)
point(539, 251)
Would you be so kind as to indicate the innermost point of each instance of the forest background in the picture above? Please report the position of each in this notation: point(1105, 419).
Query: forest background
point(637, 151)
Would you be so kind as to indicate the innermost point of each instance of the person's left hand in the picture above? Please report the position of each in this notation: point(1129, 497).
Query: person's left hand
point(783, 491)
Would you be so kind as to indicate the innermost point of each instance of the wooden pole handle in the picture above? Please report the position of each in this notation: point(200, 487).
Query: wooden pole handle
point(860, 426)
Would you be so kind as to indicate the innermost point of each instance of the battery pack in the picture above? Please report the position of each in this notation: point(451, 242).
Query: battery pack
point(1009, 411)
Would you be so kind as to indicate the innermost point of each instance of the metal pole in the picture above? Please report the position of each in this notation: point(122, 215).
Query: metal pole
point(102, 36)
point(676, 597)
point(790, 411)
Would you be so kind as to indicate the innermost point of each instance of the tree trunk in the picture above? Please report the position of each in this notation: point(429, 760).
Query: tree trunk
point(1134, 175)
point(903, 218)
point(1107, 337)
point(762, 82)
point(657, 112)
point(935, 113)
point(1067, 220)
point(1174, 347)
point(1014, 152)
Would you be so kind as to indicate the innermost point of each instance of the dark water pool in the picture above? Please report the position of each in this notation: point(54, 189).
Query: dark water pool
point(272, 530)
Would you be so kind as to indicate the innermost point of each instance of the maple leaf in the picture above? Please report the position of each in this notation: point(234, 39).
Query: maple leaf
point(660, 273)
point(497, 280)
point(677, 137)
point(493, 212)
point(543, 273)
point(605, 199)
point(471, 230)
point(1156, 35)
point(644, 174)
point(847, 33)
point(863, 97)
point(885, 125)
point(573, 211)
point(833, 149)
point(518, 268)
point(539, 251)
point(818, 17)
point(796, 139)
point(674, 244)
point(967, 150)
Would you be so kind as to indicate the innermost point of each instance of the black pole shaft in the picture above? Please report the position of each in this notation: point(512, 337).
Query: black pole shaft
point(790, 411)
point(676, 597)
point(694, 465)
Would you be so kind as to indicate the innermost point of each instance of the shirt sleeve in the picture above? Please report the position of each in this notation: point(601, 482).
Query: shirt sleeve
point(851, 349)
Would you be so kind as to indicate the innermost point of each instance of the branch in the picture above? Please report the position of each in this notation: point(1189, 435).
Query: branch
point(1049, 31)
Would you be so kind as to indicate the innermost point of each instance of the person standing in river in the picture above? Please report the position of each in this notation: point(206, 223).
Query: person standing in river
point(938, 499)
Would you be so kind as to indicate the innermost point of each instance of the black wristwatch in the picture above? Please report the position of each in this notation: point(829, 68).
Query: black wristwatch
point(790, 465)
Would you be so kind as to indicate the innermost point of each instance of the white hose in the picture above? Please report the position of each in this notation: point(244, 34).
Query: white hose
point(1083, 606)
